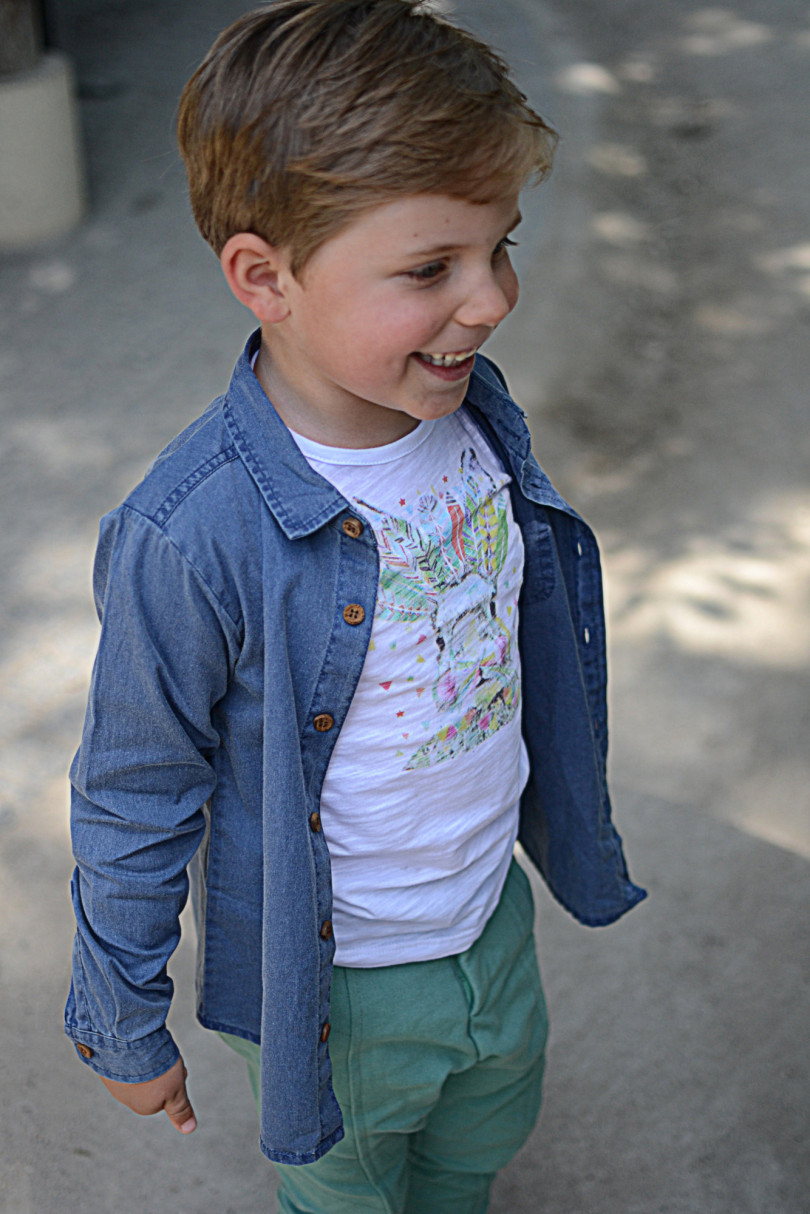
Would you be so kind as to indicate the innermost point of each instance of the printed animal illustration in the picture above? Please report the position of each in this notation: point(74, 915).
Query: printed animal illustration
point(440, 568)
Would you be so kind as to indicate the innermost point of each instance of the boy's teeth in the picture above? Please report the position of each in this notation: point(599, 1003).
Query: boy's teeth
point(447, 360)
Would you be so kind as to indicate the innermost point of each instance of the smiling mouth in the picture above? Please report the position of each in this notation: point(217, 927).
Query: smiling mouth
point(447, 360)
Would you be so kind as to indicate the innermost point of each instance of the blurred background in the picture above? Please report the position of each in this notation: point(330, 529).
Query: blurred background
point(661, 351)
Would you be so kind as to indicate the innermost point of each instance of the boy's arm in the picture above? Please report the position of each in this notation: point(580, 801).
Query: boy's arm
point(140, 780)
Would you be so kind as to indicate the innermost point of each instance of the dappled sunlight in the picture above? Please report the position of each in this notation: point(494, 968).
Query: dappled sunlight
point(44, 674)
point(710, 660)
point(48, 664)
point(584, 79)
point(628, 265)
point(683, 408)
point(52, 277)
point(637, 70)
point(753, 313)
point(619, 228)
point(745, 596)
point(57, 574)
point(797, 257)
point(632, 271)
point(744, 318)
point(660, 352)
point(617, 160)
point(789, 267)
point(62, 445)
point(718, 31)
point(774, 806)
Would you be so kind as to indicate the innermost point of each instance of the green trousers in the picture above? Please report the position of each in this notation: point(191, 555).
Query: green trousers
point(437, 1067)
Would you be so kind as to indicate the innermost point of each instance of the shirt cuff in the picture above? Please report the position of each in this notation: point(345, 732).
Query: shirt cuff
point(125, 1061)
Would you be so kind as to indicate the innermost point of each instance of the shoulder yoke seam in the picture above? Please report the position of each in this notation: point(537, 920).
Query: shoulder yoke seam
point(192, 482)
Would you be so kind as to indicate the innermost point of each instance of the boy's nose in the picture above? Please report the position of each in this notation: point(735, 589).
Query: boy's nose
point(488, 302)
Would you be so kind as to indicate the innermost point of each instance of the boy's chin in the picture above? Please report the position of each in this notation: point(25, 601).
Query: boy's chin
point(434, 408)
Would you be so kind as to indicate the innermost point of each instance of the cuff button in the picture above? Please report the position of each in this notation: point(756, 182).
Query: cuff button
point(84, 1050)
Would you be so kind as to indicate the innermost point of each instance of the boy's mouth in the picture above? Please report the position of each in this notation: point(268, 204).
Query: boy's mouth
point(448, 366)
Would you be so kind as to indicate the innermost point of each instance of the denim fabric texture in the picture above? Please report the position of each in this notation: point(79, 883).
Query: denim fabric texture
point(224, 671)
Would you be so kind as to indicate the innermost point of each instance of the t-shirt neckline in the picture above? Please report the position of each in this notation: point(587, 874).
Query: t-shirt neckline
point(366, 455)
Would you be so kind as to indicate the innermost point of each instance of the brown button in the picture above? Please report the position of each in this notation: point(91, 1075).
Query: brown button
point(353, 527)
point(315, 822)
point(325, 1031)
point(84, 1050)
point(353, 613)
point(323, 722)
point(326, 929)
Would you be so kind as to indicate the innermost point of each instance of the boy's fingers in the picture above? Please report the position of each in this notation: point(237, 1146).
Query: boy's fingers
point(179, 1111)
point(182, 1117)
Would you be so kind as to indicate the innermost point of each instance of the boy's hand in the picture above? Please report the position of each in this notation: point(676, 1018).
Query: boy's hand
point(167, 1092)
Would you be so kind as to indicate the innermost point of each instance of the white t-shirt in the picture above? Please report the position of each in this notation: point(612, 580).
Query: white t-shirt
point(420, 800)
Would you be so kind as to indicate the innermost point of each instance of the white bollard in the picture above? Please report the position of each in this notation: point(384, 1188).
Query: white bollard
point(41, 174)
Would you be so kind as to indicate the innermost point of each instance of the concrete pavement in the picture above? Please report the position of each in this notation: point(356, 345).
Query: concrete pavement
point(660, 349)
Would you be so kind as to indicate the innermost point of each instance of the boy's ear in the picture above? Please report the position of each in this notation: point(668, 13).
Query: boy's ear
point(257, 274)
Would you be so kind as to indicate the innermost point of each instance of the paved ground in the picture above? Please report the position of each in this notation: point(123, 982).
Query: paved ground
point(661, 350)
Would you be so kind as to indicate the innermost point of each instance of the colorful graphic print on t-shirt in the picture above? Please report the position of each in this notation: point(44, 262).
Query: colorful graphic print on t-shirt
point(440, 564)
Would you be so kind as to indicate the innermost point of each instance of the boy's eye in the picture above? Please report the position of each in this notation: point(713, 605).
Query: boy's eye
point(502, 246)
point(434, 269)
point(426, 273)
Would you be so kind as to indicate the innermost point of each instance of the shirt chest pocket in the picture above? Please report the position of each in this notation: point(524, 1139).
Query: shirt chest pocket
point(540, 569)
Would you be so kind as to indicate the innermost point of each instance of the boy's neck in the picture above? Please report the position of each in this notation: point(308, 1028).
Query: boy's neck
point(358, 425)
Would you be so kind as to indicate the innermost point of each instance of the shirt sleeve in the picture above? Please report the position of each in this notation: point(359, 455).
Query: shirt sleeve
point(140, 780)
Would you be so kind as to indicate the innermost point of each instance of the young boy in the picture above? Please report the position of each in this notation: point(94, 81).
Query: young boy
point(352, 641)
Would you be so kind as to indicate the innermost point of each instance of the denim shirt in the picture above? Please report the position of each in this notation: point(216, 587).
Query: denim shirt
point(224, 671)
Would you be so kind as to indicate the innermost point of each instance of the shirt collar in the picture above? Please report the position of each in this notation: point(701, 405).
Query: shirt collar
point(300, 499)
point(504, 424)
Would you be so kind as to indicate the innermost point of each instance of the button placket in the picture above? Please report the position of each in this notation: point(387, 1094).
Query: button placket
point(354, 567)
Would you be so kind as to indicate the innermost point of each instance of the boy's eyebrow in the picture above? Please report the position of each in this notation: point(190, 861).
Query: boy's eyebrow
point(443, 248)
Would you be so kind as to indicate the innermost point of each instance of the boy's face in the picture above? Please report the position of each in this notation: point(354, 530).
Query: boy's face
point(387, 315)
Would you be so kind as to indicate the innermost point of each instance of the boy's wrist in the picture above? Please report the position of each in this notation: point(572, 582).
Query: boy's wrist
point(125, 1061)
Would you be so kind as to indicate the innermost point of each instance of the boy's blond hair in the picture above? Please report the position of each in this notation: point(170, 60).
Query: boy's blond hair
point(306, 112)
